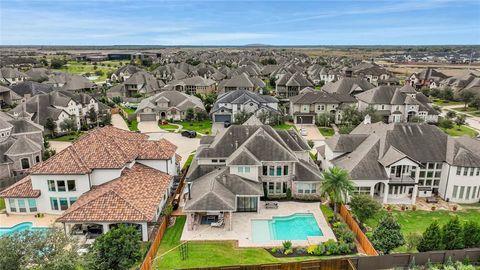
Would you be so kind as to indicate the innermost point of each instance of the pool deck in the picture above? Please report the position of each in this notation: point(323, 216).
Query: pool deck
point(242, 228)
point(12, 220)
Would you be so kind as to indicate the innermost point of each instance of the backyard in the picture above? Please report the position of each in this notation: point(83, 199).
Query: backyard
point(326, 131)
point(203, 127)
point(457, 131)
point(69, 137)
point(210, 253)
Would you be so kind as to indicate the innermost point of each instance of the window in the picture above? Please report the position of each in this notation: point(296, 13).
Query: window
point(240, 169)
point(474, 193)
point(54, 203)
point(214, 160)
point(51, 185)
point(271, 188)
point(465, 171)
point(222, 161)
point(478, 171)
point(61, 185)
point(278, 187)
point(306, 188)
point(431, 165)
point(439, 166)
point(436, 183)
point(247, 169)
point(247, 204)
point(37, 159)
point(21, 206)
point(300, 187)
point(422, 174)
point(454, 193)
point(265, 170)
point(271, 171)
point(279, 171)
point(438, 174)
point(467, 196)
point(11, 202)
point(285, 170)
point(459, 170)
point(462, 190)
point(362, 190)
point(63, 204)
point(32, 205)
point(74, 199)
point(471, 171)
point(25, 163)
point(71, 185)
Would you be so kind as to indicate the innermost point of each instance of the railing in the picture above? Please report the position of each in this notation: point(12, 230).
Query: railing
point(404, 179)
point(361, 237)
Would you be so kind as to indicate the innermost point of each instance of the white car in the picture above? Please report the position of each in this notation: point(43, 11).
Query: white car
point(303, 131)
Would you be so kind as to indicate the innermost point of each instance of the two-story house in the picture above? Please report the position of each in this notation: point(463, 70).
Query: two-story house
point(371, 72)
point(229, 104)
point(241, 82)
point(193, 85)
point(139, 84)
point(232, 170)
point(107, 177)
point(398, 104)
point(168, 105)
point(426, 78)
point(398, 162)
point(289, 85)
point(310, 103)
point(71, 82)
point(123, 73)
point(11, 76)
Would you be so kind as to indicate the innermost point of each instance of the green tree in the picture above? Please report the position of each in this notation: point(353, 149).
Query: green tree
point(466, 97)
point(325, 119)
point(451, 114)
point(69, 124)
point(92, 115)
point(447, 94)
point(117, 249)
point(336, 184)
point(476, 102)
point(471, 234)
point(452, 234)
point(190, 115)
point(431, 238)
point(461, 119)
point(106, 119)
point(57, 63)
point(446, 123)
point(387, 235)
point(364, 206)
point(51, 126)
point(412, 240)
point(373, 113)
point(351, 116)
point(241, 117)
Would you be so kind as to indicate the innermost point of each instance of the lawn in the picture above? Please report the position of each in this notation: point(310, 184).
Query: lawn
point(168, 126)
point(202, 254)
point(441, 102)
point(204, 127)
point(460, 131)
point(75, 67)
point(284, 126)
point(128, 110)
point(189, 160)
point(2, 203)
point(326, 131)
point(463, 109)
point(133, 125)
point(68, 138)
point(418, 221)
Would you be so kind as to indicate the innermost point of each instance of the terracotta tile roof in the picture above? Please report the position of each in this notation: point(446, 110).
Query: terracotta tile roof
point(133, 197)
point(105, 148)
point(21, 189)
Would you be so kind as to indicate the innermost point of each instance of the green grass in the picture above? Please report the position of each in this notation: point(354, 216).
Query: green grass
point(128, 110)
point(326, 131)
point(204, 127)
point(441, 102)
point(2, 203)
point(133, 125)
point(460, 131)
point(463, 109)
point(202, 254)
point(68, 138)
point(189, 160)
point(326, 211)
point(418, 221)
point(75, 67)
point(168, 126)
point(284, 126)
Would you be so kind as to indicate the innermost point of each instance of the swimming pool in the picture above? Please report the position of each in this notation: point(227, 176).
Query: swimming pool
point(294, 227)
point(20, 227)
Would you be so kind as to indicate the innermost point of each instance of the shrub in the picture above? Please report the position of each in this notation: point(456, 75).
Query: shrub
point(343, 233)
point(431, 238)
point(287, 244)
point(288, 251)
point(331, 247)
point(412, 240)
point(387, 236)
point(452, 234)
point(364, 207)
point(311, 249)
point(433, 208)
point(471, 234)
point(446, 123)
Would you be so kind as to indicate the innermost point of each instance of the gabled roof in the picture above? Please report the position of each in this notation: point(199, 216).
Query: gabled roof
point(21, 189)
point(347, 86)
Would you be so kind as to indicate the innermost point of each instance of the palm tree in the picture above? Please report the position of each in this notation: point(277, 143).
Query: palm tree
point(336, 184)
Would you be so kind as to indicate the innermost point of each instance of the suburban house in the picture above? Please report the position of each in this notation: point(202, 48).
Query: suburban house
point(348, 86)
point(193, 85)
point(123, 73)
point(469, 82)
point(229, 104)
point(38, 74)
point(10, 76)
point(21, 145)
point(8, 97)
point(289, 85)
point(107, 177)
point(310, 103)
point(58, 106)
point(28, 89)
point(371, 72)
point(241, 82)
point(71, 82)
point(398, 104)
point(139, 84)
point(397, 162)
point(426, 78)
point(232, 170)
point(323, 74)
point(168, 105)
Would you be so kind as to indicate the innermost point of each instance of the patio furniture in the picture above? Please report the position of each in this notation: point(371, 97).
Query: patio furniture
point(220, 223)
point(271, 205)
point(432, 200)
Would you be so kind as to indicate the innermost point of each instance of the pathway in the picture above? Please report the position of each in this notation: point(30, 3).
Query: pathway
point(58, 145)
point(472, 120)
point(119, 122)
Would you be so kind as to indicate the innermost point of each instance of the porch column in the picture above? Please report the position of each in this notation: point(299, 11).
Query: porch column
point(105, 228)
point(385, 194)
point(230, 220)
point(144, 232)
point(414, 194)
point(67, 228)
point(372, 191)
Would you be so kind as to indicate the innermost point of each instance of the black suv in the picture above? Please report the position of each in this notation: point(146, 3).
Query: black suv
point(189, 133)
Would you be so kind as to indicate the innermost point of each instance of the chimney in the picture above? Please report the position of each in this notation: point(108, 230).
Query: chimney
point(367, 120)
point(236, 144)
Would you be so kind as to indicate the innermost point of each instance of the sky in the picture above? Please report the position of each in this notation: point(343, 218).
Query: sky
point(235, 22)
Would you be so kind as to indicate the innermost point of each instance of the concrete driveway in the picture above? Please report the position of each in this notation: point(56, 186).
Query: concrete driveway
point(184, 145)
point(118, 122)
point(149, 127)
point(312, 134)
point(58, 145)
point(217, 128)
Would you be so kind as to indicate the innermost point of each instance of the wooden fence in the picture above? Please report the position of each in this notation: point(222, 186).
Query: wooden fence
point(330, 264)
point(361, 237)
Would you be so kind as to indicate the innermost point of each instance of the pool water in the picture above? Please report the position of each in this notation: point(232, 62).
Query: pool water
point(19, 228)
point(294, 227)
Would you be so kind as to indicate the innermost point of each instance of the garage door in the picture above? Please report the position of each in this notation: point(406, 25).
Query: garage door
point(304, 119)
point(147, 117)
point(222, 117)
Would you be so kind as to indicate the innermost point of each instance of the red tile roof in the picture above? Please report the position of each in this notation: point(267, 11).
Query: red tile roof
point(104, 148)
point(133, 197)
point(21, 189)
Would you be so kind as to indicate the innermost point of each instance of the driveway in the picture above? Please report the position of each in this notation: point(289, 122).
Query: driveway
point(217, 128)
point(58, 145)
point(149, 127)
point(118, 122)
point(185, 145)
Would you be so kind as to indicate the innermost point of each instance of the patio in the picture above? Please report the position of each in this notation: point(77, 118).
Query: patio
point(12, 220)
point(242, 229)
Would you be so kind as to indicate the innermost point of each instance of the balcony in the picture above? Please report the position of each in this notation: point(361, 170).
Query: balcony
point(403, 179)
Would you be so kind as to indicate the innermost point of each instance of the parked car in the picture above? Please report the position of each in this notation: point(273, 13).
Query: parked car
point(226, 124)
point(189, 133)
point(303, 131)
